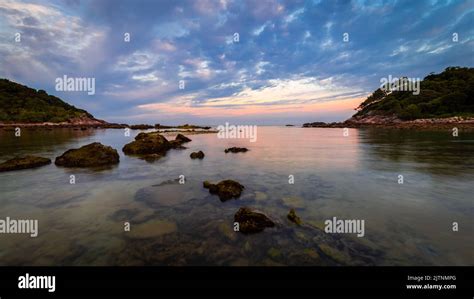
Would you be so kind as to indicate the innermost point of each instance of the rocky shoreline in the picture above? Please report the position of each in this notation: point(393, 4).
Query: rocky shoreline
point(93, 124)
point(396, 123)
point(86, 122)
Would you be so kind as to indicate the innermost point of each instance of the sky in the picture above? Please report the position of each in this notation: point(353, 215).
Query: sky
point(214, 61)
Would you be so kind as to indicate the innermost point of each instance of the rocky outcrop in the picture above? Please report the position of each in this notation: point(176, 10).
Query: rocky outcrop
point(146, 144)
point(24, 162)
point(177, 143)
point(392, 121)
point(252, 222)
point(236, 150)
point(226, 189)
point(94, 154)
point(181, 138)
point(197, 155)
point(293, 217)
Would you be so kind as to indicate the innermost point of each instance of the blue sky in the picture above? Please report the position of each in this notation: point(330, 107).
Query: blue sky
point(291, 63)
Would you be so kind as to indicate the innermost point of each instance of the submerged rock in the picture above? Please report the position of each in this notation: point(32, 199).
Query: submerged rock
point(293, 217)
point(335, 254)
point(293, 202)
point(226, 189)
point(94, 154)
point(274, 252)
point(252, 222)
point(152, 157)
point(24, 162)
point(236, 150)
point(151, 229)
point(197, 155)
point(146, 144)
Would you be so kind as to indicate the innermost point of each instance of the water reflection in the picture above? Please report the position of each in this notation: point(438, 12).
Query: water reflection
point(434, 152)
point(34, 140)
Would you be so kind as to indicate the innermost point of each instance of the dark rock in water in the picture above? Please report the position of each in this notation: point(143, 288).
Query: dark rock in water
point(315, 124)
point(181, 138)
point(24, 162)
point(94, 154)
point(83, 129)
point(176, 144)
point(197, 155)
point(293, 217)
point(236, 150)
point(251, 222)
point(147, 143)
point(226, 189)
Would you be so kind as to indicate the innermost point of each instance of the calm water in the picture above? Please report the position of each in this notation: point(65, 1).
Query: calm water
point(354, 177)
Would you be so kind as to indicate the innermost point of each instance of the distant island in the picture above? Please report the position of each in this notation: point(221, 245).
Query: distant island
point(443, 99)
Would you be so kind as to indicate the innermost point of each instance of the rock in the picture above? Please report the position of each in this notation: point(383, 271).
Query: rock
point(147, 143)
point(293, 217)
point(24, 162)
point(197, 155)
point(182, 138)
point(236, 150)
point(176, 144)
point(226, 189)
point(251, 222)
point(94, 154)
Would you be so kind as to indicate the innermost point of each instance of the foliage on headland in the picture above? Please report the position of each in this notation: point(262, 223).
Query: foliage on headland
point(450, 93)
point(21, 104)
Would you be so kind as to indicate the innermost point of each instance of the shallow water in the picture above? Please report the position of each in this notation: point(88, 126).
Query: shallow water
point(353, 177)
